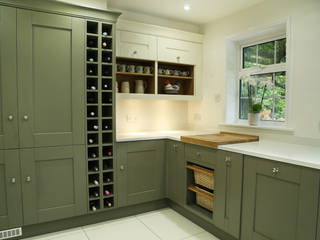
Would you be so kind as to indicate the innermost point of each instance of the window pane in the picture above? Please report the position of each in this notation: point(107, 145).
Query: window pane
point(281, 51)
point(266, 53)
point(243, 108)
point(266, 113)
point(249, 56)
point(279, 109)
point(243, 89)
point(280, 84)
point(264, 83)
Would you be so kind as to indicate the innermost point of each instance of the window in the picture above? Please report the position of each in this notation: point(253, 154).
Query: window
point(266, 62)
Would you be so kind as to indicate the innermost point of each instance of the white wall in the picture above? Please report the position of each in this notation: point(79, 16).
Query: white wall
point(151, 115)
point(305, 78)
point(102, 4)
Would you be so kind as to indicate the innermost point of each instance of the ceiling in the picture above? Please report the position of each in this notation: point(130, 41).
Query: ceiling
point(202, 11)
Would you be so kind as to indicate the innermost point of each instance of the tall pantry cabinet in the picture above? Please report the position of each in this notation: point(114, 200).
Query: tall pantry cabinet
point(43, 119)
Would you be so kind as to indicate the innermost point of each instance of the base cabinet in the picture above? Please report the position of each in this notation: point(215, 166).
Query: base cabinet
point(280, 201)
point(176, 172)
point(141, 170)
point(228, 192)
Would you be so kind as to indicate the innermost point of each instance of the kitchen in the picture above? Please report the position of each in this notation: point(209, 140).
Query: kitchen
point(171, 120)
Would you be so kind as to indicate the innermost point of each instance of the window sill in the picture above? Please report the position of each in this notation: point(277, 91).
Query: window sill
point(283, 129)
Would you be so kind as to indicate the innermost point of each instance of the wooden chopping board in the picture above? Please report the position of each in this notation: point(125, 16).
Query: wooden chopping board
point(222, 138)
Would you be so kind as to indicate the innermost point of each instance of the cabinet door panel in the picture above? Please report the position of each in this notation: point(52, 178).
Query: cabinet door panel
point(228, 192)
point(10, 189)
point(54, 183)
point(51, 79)
point(176, 51)
point(276, 206)
point(8, 79)
point(143, 178)
point(135, 45)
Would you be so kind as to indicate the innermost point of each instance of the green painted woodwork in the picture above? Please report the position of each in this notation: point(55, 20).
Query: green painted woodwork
point(51, 79)
point(228, 192)
point(61, 8)
point(8, 79)
point(10, 197)
point(201, 155)
point(57, 186)
point(141, 170)
point(176, 172)
point(279, 206)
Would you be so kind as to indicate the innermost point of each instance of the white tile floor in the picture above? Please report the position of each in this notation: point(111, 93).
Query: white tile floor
point(164, 224)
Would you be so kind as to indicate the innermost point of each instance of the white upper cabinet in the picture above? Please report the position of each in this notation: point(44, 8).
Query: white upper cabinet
point(136, 45)
point(177, 51)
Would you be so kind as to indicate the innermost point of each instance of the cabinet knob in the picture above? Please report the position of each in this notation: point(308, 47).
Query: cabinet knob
point(135, 52)
point(28, 179)
point(13, 180)
point(198, 154)
point(175, 146)
point(25, 117)
point(10, 117)
point(121, 167)
point(228, 161)
point(275, 171)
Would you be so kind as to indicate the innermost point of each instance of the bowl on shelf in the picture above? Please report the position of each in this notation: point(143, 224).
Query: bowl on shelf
point(171, 91)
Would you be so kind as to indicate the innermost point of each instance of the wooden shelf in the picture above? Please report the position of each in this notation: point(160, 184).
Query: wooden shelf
point(175, 77)
point(201, 192)
point(135, 74)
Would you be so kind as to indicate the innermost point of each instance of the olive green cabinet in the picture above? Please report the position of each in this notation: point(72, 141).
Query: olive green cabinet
point(141, 171)
point(8, 79)
point(280, 201)
point(228, 192)
point(51, 83)
point(176, 172)
point(10, 189)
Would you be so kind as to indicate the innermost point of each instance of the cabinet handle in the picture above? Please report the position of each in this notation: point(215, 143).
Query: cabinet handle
point(198, 154)
point(275, 171)
point(10, 117)
point(228, 161)
point(135, 52)
point(175, 146)
point(121, 167)
point(13, 180)
point(25, 117)
point(28, 179)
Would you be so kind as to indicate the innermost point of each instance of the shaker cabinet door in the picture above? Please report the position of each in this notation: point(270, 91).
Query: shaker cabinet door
point(136, 45)
point(280, 201)
point(10, 190)
point(50, 79)
point(8, 79)
point(228, 192)
point(53, 183)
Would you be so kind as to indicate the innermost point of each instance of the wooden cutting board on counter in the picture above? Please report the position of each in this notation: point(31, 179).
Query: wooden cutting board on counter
point(222, 138)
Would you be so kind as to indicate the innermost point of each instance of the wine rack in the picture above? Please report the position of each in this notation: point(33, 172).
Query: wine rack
point(100, 98)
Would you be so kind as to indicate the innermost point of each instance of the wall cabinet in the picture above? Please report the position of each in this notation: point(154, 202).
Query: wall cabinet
point(8, 79)
point(141, 171)
point(280, 201)
point(136, 45)
point(228, 192)
point(177, 51)
point(50, 79)
point(176, 172)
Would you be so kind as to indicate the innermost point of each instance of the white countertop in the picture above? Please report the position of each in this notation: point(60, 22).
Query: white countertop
point(302, 155)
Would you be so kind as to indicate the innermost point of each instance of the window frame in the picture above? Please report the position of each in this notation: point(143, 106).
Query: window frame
point(263, 69)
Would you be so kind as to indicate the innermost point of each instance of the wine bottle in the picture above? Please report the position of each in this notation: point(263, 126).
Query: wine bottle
point(90, 141)
point(94, 169)
point(95, 127)
point(95, 194)
point(105, 86)
point(108, 204)
point(109, 154)
point(93, 207)
point(92, 114)
point(91, 60)
point(108, 180)
point(108, 59)
point(93, 155)
point(105, 34)
point(96, 182)
point(104, 44)
point(93, 88)
point(106, 192)
point(106, 127)
point(90, 71)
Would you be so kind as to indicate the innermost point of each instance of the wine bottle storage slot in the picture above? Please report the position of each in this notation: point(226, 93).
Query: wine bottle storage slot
point(92, 42)
point(92, 84)
point(107, 98)
point(106, 124)
point(106, 111)
point(107, 57)
point(92, 55)
point(100, 133)
point(92, 111)
point(106, 84)
point(92, 27)
point(107, 138)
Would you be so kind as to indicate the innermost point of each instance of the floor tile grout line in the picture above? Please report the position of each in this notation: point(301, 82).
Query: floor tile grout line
point(148, 228)
point(193, 235)
point(85, 233)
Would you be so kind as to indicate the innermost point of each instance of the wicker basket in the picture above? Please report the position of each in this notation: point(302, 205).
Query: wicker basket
point(203, 176)
point(203, 198)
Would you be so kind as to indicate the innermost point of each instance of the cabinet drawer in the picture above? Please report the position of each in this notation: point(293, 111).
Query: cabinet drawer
point(279, 170)
point(176, 51)
point(200, 154)
point(135, 45)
